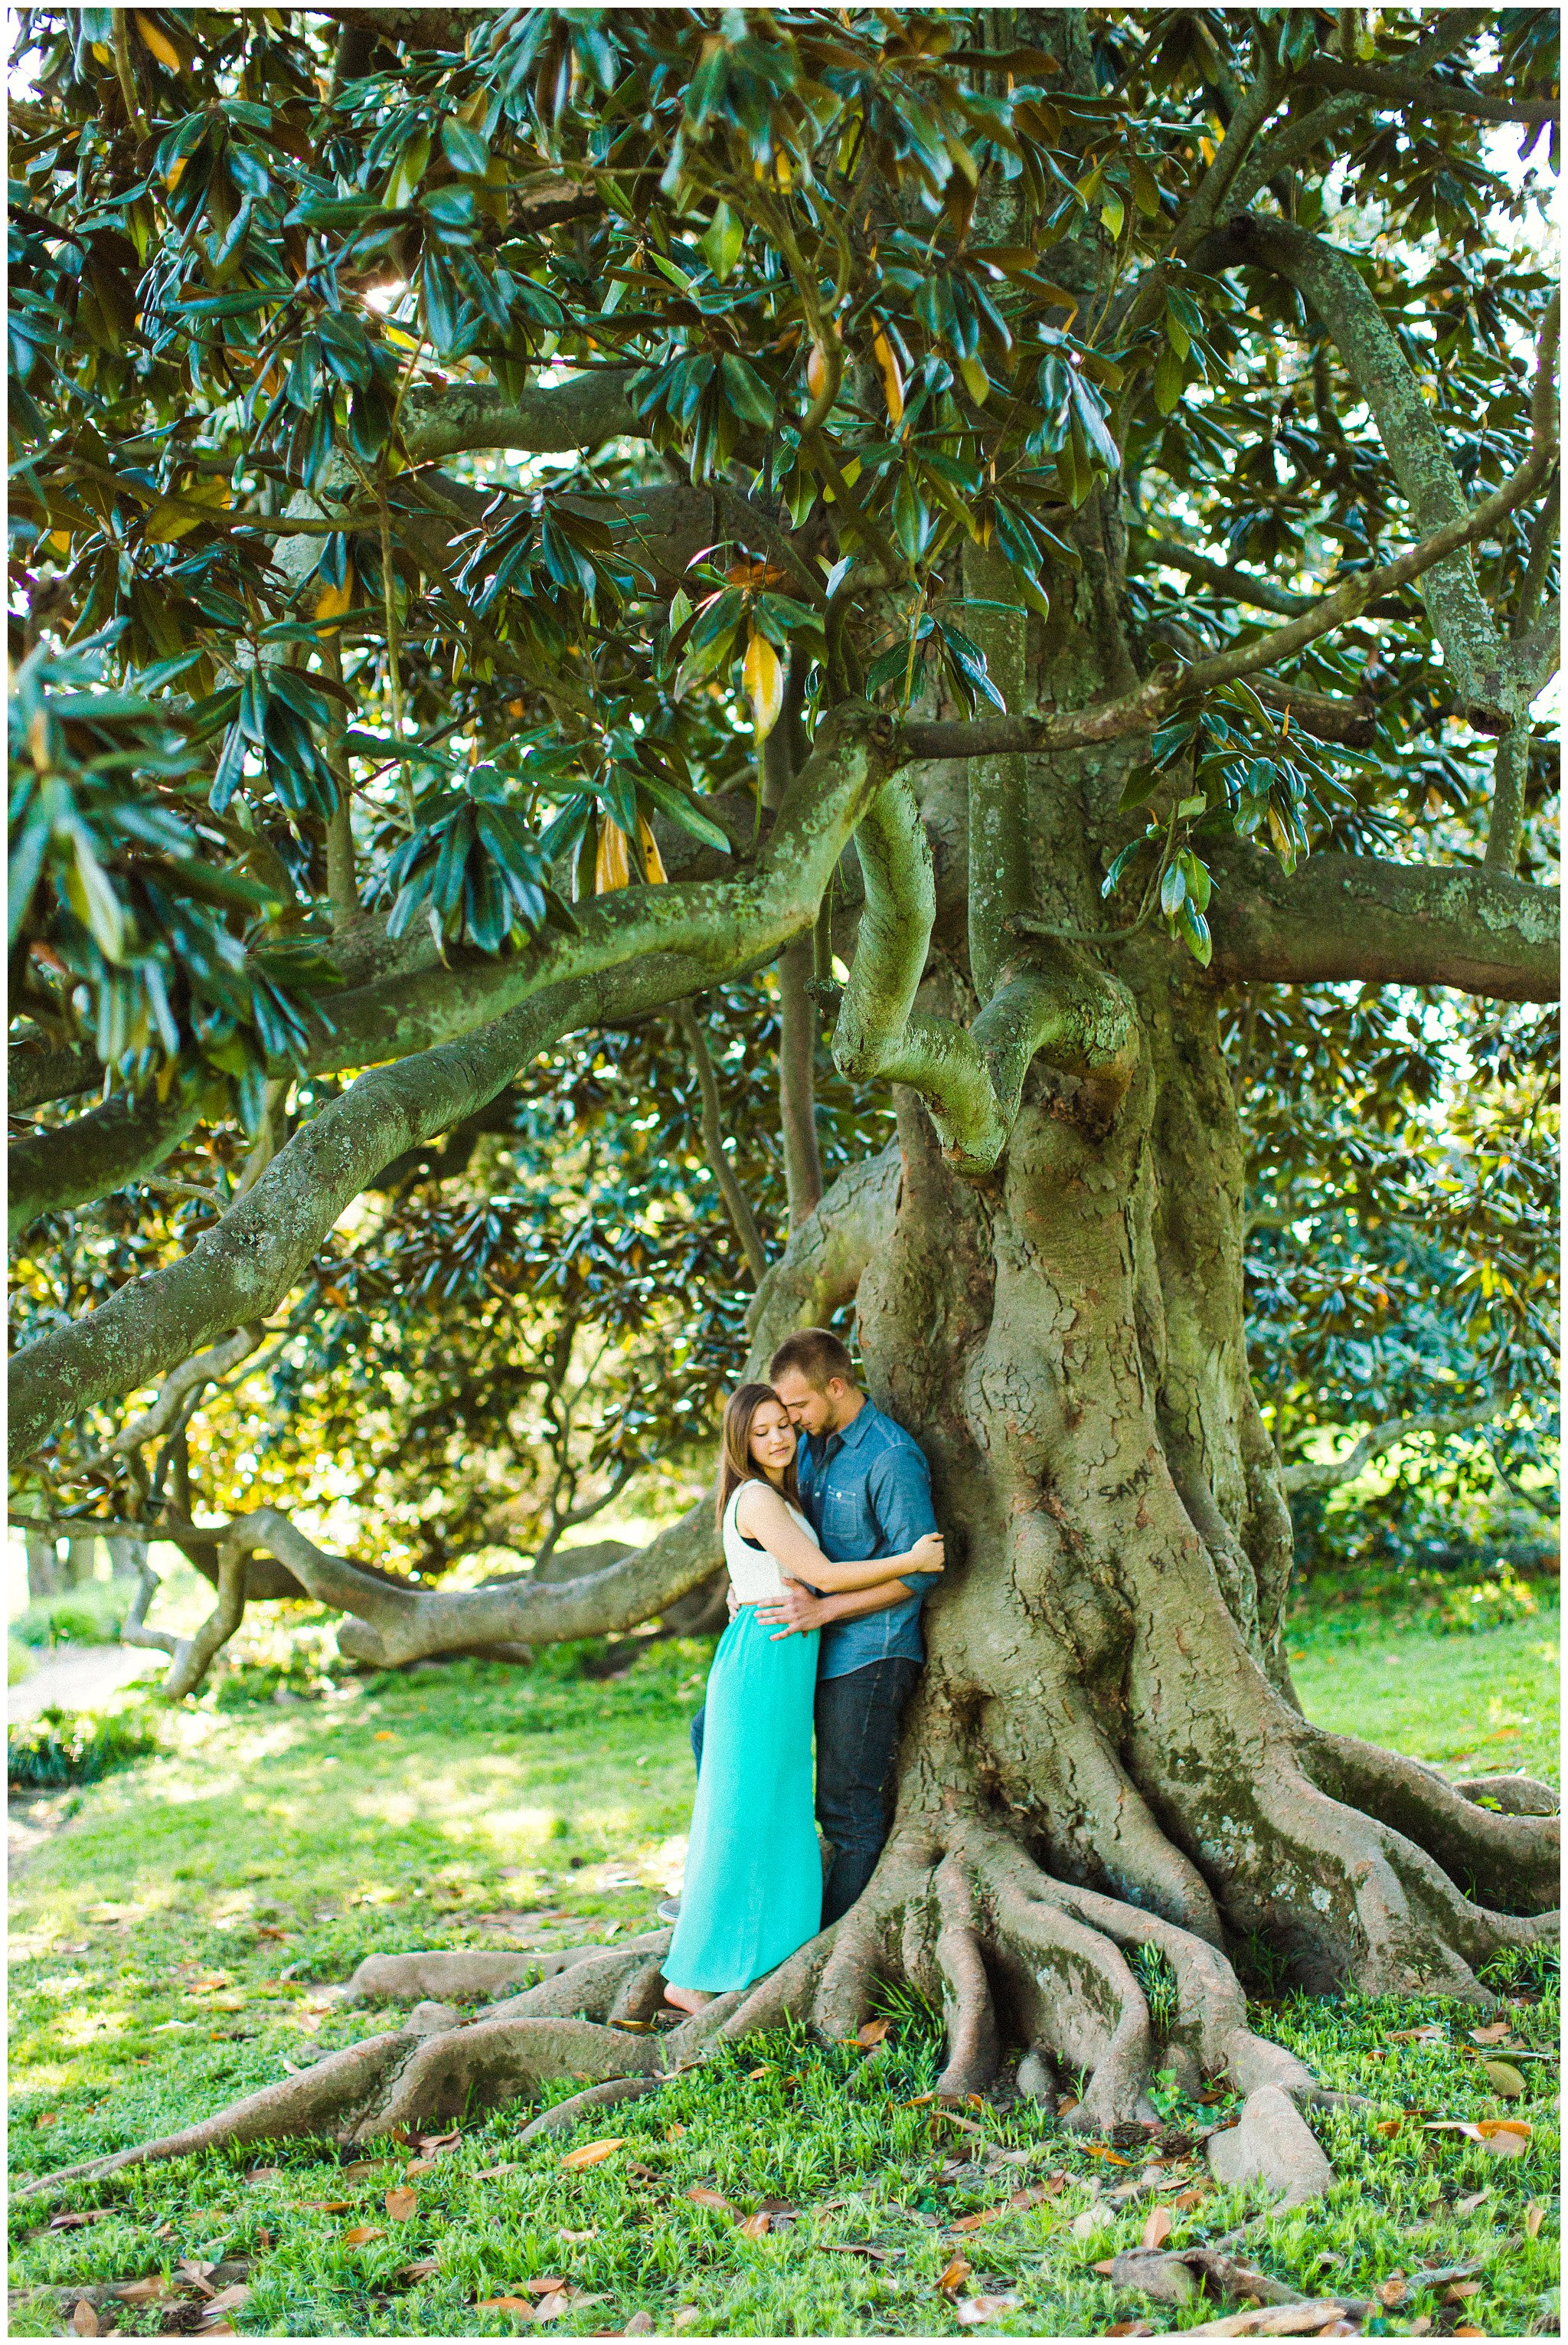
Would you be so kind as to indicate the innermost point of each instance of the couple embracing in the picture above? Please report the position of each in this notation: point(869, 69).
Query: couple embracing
point(824, 1505)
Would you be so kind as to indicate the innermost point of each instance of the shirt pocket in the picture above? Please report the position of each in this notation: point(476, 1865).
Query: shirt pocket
point(843, 1520)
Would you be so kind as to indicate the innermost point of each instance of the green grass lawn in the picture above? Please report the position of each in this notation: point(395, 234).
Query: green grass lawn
point(168, 1950)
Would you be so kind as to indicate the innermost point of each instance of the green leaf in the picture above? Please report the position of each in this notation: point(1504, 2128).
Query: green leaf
point(1195, 930)
point(1172, 891)
point(723, 243)
point(1139, 786)
point(465, 150)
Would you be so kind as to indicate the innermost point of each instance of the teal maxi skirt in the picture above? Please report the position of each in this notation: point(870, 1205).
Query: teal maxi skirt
point(753, 1891)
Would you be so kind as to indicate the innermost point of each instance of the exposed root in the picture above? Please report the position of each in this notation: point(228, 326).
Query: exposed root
point(973, 2047)
point(1505, 1857)
point(566, 2114)
point(497, 2060)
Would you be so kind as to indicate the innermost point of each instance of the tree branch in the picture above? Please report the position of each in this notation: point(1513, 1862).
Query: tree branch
point(723, 1171)
point(635, 951)
point(1347, 917)
point(581, 412)
point(1309, 131)
point(1313, 1476)
point(191, 1656)
point(1484, 673)
point(35, 1076)
point(190, 1376)
point(95, 1153)
point(1432, 96)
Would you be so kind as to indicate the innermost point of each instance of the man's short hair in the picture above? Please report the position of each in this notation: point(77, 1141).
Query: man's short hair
point(815, 1353)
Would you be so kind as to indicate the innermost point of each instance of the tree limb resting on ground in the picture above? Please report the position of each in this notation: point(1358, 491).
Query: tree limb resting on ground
point(1312, 1475)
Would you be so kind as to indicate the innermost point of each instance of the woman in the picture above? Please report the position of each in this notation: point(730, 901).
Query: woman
point(753, 1890)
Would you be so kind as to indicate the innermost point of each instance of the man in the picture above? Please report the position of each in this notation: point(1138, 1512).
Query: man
point(865, 1488)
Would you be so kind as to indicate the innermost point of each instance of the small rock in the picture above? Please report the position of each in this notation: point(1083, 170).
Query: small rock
point(1272, 2143)
point(431, 2019)
point(1035, 2081)
point(1164, 2276)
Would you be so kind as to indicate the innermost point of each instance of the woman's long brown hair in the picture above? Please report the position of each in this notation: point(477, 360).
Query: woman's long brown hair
point(736, 1464)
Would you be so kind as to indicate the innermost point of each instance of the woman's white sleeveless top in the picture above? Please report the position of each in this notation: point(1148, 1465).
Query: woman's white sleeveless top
point(754, 1574)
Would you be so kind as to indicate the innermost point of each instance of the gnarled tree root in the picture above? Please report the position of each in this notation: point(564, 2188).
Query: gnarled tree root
point(1101, 1994)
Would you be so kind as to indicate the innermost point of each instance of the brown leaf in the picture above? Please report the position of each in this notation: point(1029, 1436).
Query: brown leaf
point(1534, 2214)
point(1032, 2196)
point(1391, 2291)
point(1159, 2227)
point(1186, 2200)
point(422, 2270)
point(1388, 2127)
point(400, 2204)
point(228, 2300)
point(518, 2304)
point(489, 2172)
point(420, 2165)
point(952, 2279)
point(1130, 2328)
point(756, 2226)
point(362, 2166)
point(1464, 2330)
point(639, 2325)
point(85, 2320)
point(260, 2173)
point(674, 2133)
point(74, 2222)
point(552, 2307)
point(702, 2197)
point(431, 2141)
point(144, 2291)
point(974, 2222)
point(1431, 2034)
point(1505, 2079)
point(1505, 2136)
point(360, 2233)
point(1498, 2033)
point(327, 2205)
point(854, 2248)
point(592, 2153)
point(873, 2032)
point(1461, 2290)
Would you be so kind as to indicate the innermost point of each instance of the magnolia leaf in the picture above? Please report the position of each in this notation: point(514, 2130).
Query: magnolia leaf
point(764, 677)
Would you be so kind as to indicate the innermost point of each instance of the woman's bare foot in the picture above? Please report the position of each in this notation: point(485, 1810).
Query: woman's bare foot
point(686, 1998)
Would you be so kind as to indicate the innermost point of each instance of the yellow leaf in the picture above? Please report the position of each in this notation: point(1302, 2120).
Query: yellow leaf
point(334, 601)
point(653, 861)
point(60, 539)
point(612, 864)
point(361, 2234)
point(976, 381)
point(592, 2153)
point(162, 47)
point(892, 381)
point(764, 676)
point(172, 177)
point(816, 371)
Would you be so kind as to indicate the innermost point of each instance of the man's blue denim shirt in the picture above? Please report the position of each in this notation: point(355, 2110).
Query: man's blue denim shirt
point(866, 1492)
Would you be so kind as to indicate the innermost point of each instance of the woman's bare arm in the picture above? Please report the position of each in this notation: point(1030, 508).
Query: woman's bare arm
point(763, 1515)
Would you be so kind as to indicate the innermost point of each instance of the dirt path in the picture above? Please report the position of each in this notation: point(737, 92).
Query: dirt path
point(76, 1677)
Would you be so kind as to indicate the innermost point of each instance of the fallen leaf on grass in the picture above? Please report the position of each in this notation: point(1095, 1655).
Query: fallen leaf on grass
point(1505, 2136)
point(639, 2325)
point(1111, 2156)
point(1130, 2328)
point(592, 2153)
point(433, 2141)
point(420, 2165)
point(518, 2304)
point(973, 2222)
point(361, 2234)
point(489, 2172)
point(85, 2320)
point(327, 2205)
point(1534, 2217)
point(952, 2279)
point(400, 2204)
point(72, 2222)
point(362, 2166)
point(576, 2236)
point(675, 2133)
point(973, 2312)
point(1159, 2227)
point(260, 2173)
point(1084, 2223)
point(756, 2226)
point(1464, 2330)
point(228, 2300)
point(1505, 2079)
point(195, 2270)
point(1431, 2034)
point(852, 2248)
point(1391, 2291)
point(1498, 2033)
point(702, 2197)
point(1050, 2188)
point(144, 2291)
point(422, 2270)
point(1388, 2127)
point(1461, 2290)
point(1468, 2206)
point(873, 2032)
point(1186, 2200)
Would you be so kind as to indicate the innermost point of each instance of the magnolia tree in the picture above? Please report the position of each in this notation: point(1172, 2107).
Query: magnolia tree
point(528, 518)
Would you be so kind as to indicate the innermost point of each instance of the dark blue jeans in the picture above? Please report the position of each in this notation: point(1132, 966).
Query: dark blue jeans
point(857, 1719)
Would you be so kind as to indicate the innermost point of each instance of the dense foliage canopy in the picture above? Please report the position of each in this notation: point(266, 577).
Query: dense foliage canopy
point(459, 461)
